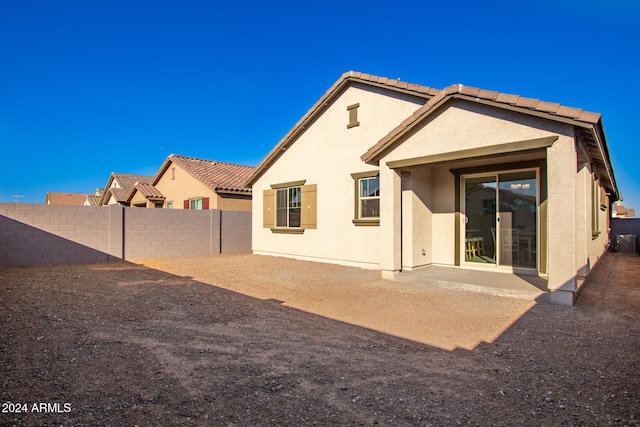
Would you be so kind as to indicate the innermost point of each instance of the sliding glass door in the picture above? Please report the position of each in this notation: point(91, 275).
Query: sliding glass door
point(500, 219)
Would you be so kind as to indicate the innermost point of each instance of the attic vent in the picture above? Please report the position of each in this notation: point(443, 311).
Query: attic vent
point(353, 115)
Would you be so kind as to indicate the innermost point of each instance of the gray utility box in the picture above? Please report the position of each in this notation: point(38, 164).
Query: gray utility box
point(627, 242)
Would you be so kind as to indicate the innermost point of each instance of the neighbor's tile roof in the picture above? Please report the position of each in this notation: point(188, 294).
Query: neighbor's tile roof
point(93, 200)
point(124, 180)
point(219, 176)
point(59, 198)
point(127, 180)
point(397, 85)
point(147, 190)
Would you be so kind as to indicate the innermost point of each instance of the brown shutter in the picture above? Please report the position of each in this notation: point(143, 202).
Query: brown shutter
point(205, 203)
point(186, 204)
point(268, 206)
point(309, 206)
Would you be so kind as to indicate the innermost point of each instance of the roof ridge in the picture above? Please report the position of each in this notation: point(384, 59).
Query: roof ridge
point(208, 160)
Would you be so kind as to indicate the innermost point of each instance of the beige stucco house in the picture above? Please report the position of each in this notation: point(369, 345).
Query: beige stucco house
point(191, 183)
point(394, 176)
point(118, 187)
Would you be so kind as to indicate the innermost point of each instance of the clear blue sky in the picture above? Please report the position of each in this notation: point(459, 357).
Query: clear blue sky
point(92, 87)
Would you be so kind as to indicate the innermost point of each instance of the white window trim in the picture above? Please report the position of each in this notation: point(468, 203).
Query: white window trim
point(361, 198)
point(287, 226)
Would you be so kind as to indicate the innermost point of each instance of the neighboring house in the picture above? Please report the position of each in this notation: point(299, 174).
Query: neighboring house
point(57, 198)
point(190, 183)
point(94, 199)
point(382, 173)
point(620, 211)
point(118, 187)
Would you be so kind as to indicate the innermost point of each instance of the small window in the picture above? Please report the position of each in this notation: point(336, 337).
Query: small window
point(169, 205)
point(288, 207)
point(369, 198)
point(195, 204)
point(353, 115)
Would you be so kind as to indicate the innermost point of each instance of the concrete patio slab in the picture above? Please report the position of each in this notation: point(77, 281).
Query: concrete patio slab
point(490, 282)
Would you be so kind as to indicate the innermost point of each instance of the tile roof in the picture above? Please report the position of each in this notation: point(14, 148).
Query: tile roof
point(59, 198)
point(531, 105)
point(221, 177)
point(588, 124)
point(147, 190)
point(126, 181)
point(397, 85)
point(93, 200)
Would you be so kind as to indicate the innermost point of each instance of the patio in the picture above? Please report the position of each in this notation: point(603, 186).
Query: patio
point(490, 282)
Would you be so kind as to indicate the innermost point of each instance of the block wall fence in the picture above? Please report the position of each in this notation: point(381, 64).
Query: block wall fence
point(33, 234)
point(626, 226)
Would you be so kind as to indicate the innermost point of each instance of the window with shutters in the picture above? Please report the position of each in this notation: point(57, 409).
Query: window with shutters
point(195, 204)
point(200, 203)
point(290, 207)
point(353, 115)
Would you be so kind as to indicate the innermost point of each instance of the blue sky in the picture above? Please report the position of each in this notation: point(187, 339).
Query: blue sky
point(92, 87)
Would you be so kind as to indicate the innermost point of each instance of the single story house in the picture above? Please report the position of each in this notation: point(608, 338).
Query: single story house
point(192, 183)
point(395, 176)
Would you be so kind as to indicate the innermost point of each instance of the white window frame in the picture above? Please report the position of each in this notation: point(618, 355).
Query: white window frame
point(362, 198)
point(290, 206)
point(194, 202)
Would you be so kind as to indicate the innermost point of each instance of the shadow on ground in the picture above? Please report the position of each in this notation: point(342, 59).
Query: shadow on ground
point(127, 345)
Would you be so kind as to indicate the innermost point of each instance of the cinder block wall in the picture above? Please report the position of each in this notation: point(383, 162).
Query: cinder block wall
point(45, 234)
point(236, 232)
point(625, 226)
point(159, 233)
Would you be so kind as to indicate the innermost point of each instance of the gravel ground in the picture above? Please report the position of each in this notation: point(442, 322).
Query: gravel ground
point(249, 340)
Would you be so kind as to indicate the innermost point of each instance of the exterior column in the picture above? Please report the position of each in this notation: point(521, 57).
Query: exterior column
point(390, 221)
point(561, 220)
point(583, 221)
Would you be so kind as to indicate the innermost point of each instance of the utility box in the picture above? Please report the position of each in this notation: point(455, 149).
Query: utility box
point(628, 242)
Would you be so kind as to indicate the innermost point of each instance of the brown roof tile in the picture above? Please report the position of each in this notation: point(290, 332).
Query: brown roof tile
point(219, 176)
point(149, 191)
point(58, 198)
point(570, 112)
point(506, 98)
point(587, 116)
point(488, 94)
point(552, 109)
point(548, 107)
point(527, 103)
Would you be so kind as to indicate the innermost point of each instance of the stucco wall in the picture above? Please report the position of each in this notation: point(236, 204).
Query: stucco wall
point(463, 125)
point(326, 154)
point(183, 187)
point(227, 202)
point(417, 218)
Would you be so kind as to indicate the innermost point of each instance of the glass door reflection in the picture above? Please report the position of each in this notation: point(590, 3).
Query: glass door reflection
point(480, 219)
point(517, 215)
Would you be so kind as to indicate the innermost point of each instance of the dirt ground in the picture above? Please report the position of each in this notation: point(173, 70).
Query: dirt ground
point(247, 340)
